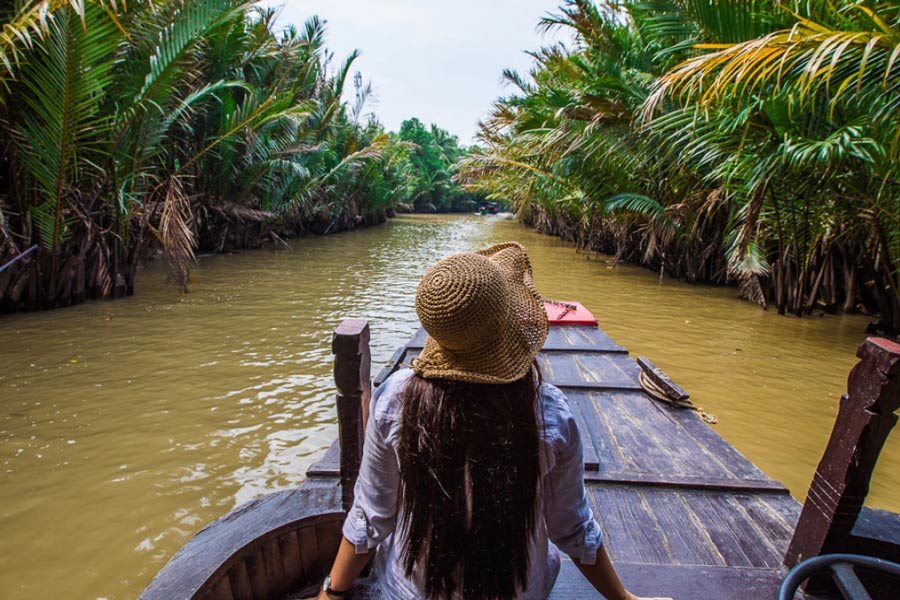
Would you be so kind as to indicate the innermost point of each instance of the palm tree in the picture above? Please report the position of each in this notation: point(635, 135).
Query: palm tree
point(839, 75)
point(165, 124)
point(733, 141)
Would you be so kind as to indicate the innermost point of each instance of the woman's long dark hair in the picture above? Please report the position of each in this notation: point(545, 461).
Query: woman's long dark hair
point(469, 470)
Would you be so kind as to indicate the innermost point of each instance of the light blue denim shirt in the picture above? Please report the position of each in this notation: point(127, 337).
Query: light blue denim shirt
point(568, 521)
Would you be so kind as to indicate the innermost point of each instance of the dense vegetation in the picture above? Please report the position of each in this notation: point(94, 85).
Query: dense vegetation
point(173, 124)
point(129, 129)
point(427, 167)
point(730, 141)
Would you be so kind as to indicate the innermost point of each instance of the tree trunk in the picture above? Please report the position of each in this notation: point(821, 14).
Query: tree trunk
point(849, 286)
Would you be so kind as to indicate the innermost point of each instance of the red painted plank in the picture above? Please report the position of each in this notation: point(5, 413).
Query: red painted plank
point(568, 313)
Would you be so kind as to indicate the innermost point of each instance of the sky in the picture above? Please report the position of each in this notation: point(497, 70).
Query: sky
point(438, 60)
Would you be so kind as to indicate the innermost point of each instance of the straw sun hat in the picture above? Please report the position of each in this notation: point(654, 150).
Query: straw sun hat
point(485, 319)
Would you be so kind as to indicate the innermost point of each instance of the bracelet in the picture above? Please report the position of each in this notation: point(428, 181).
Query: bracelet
point(329, 591)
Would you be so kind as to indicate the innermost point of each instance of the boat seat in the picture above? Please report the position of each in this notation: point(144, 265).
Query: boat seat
point(876, 533)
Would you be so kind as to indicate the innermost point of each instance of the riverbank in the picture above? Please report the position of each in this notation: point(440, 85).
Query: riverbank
point(626, 244)
point(153, 415)
point(223, 232)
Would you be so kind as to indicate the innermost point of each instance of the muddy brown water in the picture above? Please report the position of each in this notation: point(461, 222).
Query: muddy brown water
point(128, 425)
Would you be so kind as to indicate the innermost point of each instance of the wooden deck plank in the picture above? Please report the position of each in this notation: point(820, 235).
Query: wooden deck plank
point(776, 517)
point(594, 438)
point(330, 463)
point(608, 450)
point(638, 436)
point(615, 369)
point(717, 446)
point(678, 581)
point(561, 367)
point(759, 548)
point(589, 339)
point(690, 457)
point(589, 452)
point(600, 371)
point(787, 510)
point(638, 446)
point(677, 521)
point(683, 454)
point(646, 436)
point(719, 526)
point(690, 527)
point(630, 530)
point(665, 480)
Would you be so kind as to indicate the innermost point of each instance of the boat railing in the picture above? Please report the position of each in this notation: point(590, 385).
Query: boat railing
point(830, 521)
point(352, 377)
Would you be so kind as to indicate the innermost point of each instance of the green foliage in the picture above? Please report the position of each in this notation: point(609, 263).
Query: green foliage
point(170, 125)
point(60, 118)
point(425, 167)
point(738, 141)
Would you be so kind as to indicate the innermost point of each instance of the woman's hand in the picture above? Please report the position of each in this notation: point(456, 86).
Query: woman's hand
point(605, 580)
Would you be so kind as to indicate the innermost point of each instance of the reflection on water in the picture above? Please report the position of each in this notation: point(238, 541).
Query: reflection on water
point(128, 425)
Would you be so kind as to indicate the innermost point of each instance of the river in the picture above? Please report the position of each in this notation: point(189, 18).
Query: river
point(128, 425)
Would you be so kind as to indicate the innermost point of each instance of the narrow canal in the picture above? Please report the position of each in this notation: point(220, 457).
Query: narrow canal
point(128, 425)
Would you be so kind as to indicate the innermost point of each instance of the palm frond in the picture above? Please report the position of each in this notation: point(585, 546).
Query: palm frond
point(634, 203)
point(61, 122)
point(807, 61)
point(20, 33)
point(175, 232)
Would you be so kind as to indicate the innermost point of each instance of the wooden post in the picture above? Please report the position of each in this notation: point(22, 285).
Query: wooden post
point(352, 369)
point(841, 483)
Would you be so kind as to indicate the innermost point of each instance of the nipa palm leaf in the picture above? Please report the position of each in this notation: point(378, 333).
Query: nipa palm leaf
point(59, 126)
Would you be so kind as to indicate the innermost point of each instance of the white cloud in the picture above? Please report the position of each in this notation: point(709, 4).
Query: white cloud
point(437, 60)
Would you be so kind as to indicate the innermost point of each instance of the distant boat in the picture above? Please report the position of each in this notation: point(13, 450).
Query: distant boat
point(488, 208)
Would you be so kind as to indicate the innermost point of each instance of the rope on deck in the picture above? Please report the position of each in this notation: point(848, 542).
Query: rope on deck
point(656, 392)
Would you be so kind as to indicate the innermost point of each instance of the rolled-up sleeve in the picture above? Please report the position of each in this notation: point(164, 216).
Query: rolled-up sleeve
point(373, 515)
point(567, 513)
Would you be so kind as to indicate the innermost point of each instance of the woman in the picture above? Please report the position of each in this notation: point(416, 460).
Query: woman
point(471, 465)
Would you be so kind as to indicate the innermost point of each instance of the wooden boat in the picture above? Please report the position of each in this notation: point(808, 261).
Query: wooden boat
point(683, 512)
